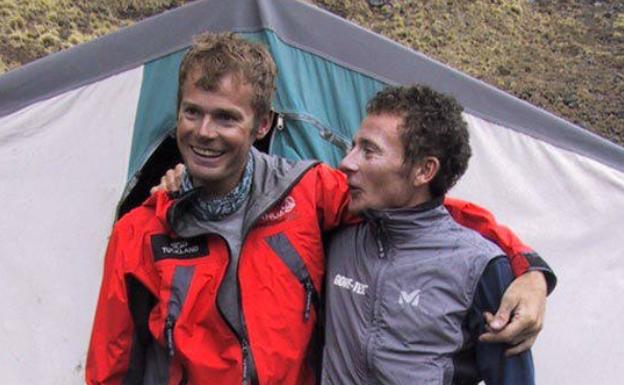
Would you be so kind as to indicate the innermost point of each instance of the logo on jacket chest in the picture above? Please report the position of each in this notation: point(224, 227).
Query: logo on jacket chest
point(409, 298)
point(164, 247)
point(279, 212)
point(350, 284)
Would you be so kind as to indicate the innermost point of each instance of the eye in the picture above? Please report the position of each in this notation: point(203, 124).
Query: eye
point(191, 112)
point(368, 150)
point(225, 117)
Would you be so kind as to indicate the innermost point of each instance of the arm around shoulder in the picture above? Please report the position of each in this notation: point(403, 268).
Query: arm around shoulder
point(494, 364)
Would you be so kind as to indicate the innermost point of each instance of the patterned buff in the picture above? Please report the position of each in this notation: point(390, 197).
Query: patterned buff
point(218, 208)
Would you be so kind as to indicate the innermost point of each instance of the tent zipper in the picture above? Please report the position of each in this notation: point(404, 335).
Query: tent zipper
point(324, 132)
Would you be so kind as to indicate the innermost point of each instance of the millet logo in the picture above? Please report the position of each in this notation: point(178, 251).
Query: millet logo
point(409, 298)
point(164, 247)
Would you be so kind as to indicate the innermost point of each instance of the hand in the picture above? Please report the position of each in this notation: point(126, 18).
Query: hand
point(171, 181)
point(520, 316)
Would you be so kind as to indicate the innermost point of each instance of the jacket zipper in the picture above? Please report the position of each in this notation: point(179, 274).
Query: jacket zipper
point(379, 235)
point(250, 374)
point(309, 290)
point(379, 239)
point(248, 367)
point(245, 346)
point(169, 325)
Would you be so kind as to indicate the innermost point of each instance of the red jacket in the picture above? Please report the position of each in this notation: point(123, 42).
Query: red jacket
point(174, 308)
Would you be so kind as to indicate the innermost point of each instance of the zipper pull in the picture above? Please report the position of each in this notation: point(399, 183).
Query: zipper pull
point(169, 324)
point(379, 239)
point(245, 361)
point(307, 284)
point(280, 122)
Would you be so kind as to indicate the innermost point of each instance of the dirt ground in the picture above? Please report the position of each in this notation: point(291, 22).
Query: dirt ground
point(566, 56)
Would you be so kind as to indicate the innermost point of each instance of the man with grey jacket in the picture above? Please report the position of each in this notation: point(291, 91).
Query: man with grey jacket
point(409, 291)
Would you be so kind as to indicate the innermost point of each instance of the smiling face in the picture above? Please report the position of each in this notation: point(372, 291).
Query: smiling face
point(377, 174)
point(216, 130)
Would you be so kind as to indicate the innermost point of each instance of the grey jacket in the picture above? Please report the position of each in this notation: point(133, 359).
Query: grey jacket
point(399, 288)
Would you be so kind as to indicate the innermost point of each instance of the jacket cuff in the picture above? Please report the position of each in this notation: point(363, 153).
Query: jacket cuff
point(537, 263)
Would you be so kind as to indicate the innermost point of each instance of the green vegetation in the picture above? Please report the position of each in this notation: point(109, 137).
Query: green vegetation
point(566, 56)
point(35, 28)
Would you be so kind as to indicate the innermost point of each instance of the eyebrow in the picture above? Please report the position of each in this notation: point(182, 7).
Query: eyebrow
point(218, 111)
point(369, 143)
point(186, 103)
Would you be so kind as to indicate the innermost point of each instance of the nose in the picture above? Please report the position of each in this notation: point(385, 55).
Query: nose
point(348, 164)
point(207, 128)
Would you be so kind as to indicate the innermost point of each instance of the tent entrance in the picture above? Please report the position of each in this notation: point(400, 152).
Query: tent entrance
point(165, 157)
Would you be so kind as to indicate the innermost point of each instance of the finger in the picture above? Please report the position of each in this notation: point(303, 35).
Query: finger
point(488, 317)
point(179, 169)
point(521, 347)
point(503, 315)
point(171, 181)
point(507, 335)
point(154, 189)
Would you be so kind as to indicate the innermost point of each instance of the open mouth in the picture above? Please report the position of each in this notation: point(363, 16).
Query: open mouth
point(207, 152)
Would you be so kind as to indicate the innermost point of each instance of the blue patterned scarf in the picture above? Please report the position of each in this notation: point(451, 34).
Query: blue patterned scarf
point(205, 209)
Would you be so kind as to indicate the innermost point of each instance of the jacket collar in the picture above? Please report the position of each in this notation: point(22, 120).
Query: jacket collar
point(272, 179)
point(398, 226)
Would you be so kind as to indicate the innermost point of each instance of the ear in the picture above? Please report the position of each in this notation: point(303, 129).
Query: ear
point(425, 170)
point(264, 126)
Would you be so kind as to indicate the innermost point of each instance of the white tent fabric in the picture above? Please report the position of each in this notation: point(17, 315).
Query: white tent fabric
point(568, 207)
point(62, 175)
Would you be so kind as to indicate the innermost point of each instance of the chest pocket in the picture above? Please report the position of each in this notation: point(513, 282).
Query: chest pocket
point(176, 276)
point(424, 304)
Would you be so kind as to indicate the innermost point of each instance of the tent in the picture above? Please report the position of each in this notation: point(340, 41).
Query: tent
point(84, 131)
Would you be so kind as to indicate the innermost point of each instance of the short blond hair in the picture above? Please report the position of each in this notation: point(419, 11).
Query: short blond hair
point(219, 54)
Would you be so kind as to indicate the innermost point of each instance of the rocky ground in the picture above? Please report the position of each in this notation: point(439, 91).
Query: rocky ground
point(566, 56)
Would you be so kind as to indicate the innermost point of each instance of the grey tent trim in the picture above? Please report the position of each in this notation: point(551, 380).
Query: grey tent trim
point(308, 28)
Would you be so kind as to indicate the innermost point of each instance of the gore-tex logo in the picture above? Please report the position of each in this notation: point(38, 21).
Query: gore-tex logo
point(287, 205)
point(350, 284)
point(164, 247)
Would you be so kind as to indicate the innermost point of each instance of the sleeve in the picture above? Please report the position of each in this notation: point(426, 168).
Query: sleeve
point(113, 337)
point(493, 366)
point(332, 197)
point(521, 257)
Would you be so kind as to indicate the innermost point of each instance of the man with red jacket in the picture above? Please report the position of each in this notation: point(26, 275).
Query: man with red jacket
point(221, 285)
